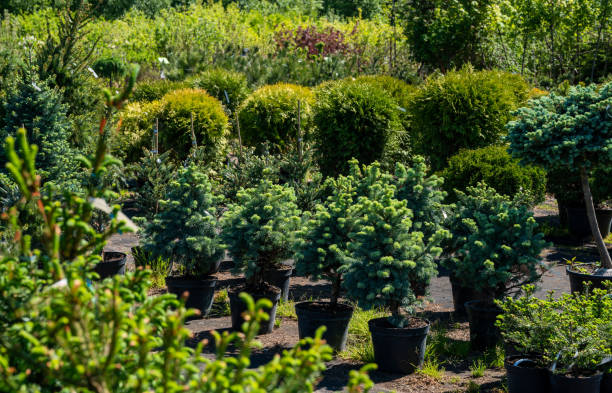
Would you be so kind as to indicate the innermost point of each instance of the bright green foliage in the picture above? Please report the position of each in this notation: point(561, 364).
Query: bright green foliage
point(270, 114)
point(495, 246)
point(351, 8)
point(565, 133)
point(463, 109)
point(387, 255)
point(217, 82)
point(40, 111)
point(575, 327)
point(185, 228)
point(152, 175)
point(494, 166)
point(354, 120)
point(156, 89)
point(322, 246)
point(209, 123)
point(259, 229)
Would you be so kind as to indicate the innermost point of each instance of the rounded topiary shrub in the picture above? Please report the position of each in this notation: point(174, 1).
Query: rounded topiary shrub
point(209, 122)
point(270, 114)
point(496, 167)
point(401, 92)
point(218, 81)
point(354, 119)
point(136, 131)
point(463, 109)
point(151, 90)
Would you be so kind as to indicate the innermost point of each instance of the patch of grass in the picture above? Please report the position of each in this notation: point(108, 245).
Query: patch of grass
point(552, 230)
point(455, 380)
point(286, 309)
point(432, 368)
point(472, 387)
point(359, 343)
point(478, 368)
point(221, 305)
point(440, 346)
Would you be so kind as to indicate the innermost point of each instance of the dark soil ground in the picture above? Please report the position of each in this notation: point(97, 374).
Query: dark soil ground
point(456, 377)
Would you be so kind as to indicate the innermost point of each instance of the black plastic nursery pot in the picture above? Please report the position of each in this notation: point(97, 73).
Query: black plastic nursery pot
point(238, 307)
point(398, 350)
point(200, 292)
point(312, 315)
point(571, 384)
point(525, 377)
point(606, 383)
point(461, 295)
point(578, 222)
point(482, 316)
point(113, 263)
point(280, 278)
point(578, 280)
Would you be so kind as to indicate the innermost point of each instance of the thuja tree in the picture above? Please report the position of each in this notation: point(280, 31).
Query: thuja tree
point(495, 248)
point(57, 332)
point(386, 253)
point(259, 229)
point(185, 230)
point(565, 133)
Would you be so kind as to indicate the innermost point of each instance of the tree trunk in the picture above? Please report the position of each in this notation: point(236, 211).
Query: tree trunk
point(606, 262)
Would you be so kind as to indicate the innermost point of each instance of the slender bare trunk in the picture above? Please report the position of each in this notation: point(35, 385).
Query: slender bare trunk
point(606, 262)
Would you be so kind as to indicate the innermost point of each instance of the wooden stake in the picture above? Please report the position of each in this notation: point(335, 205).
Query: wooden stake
point(156, 138)
point(239, 136)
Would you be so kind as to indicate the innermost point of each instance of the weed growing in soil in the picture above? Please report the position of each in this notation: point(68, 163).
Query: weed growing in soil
point(286, 309)
point(472, 387)
point(494, 357)
point(359, 344)
point(440, 346)
point(478, 368)
point(432, 367)
point(221, 305)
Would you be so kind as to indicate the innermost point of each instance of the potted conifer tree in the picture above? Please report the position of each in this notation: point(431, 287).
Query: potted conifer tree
point(569, 133)
point(385, 253)
point(259, 230)
point(185, 231)
point(320, 254)
point(494, 251)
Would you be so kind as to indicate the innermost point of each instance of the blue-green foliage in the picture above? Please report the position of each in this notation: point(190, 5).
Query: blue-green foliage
point(565, 132)
point(259, 228)
point(495, 246)
point(186, 228)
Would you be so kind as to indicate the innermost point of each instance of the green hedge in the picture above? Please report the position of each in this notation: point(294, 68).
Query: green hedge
point(270, 115)
point(152, 90)
point(354, 119)
point(218, 81)
point(463, 109)
point(209, 121)
point(494, 166)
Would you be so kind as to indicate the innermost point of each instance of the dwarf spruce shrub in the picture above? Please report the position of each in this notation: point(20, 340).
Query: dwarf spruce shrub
point(210, 123)
point(38, 108)
point(185, 230)
point(270, 114)
point(259, 229)
point(495, 248)
point(354, 119)
point(387, 255)
point(463, 109)
point(218, 82)
point(494, 166)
